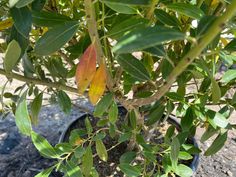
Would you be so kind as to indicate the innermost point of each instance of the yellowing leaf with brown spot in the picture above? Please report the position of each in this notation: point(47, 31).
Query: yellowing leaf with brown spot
point(86, 69)
point(98, 85)
point(6, 24)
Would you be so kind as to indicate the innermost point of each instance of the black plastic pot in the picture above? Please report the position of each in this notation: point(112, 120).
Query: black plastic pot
point(171, 120)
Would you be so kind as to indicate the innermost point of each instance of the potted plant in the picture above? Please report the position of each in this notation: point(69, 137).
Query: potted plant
point(154, 58)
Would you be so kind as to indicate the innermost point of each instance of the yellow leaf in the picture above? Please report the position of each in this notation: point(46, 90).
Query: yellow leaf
point(98, 85)
point(6, 24)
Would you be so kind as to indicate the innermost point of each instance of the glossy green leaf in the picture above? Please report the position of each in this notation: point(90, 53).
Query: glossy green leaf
point(127, 157)
point(113, 113)
point(217, 144)
point(43, 18)
point(122, 8)
point(156, 115)
point(187, 120)
point(12, 3)
point(144, 38)
point(43, 146)
point(23, 121)
point(12, 56)
point(64, 101)
point(72, 170)
point(217, 119)
point(174, 154)
point(101, 150)
point(184, 171)
point(22, 3)
point(216, 92)
point(185, 156)
point(45, 173)
point(55, 38)
point(134, 67)
point(103, 105)
point(35, 107)
point(128, 2)
point(87, 161)
point(88, 126)
point(129, 170)
point(187, 9)
point(231, 46)
point(166, 18)
point(22, 20)
point(229, 76)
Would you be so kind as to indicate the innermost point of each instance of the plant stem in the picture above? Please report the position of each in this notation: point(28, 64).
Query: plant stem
point(152, 9)
point(212, 32)
point(38, 81)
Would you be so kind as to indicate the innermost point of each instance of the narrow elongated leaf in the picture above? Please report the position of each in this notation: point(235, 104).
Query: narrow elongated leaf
point(72, 170)
point(98, 85)
point(113, 113)
point(22, 3)
point(133, 119)
point(134, 67)
point(35, 107)
point(166, 18)
point(22, 20)
point(231, 46)
point(187, 120)
point(128, 157)
point(144, 38)
point(88, 125)
point(22, 117)
point(216, 92)
point(187, 9)
point(43, 18)
point(86, 68)
point(156, 115)
point(210, 131)
point(129, 170)
point(128, 2)
point(217, 119)
point(87, 161)
point(174, 154)
point(55, 38)
point(64, 101)
point(45, 173)
point(43, 146)
point(217, 144)
point(101, 150)
point(12, 56)
point(6, 24)
point(122, 8)
point(103, 105)
point(229, 76)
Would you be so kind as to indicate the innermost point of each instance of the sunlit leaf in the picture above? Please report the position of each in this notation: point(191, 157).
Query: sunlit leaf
point(101, 150)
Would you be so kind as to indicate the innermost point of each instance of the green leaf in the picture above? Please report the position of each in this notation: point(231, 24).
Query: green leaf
point(210, 131)
point(133, 66)
point(101, 150)
point(127, 2)
point(22, 117)
point(103, 105)
point(166, 18)
point(127, 157)
point(229, 76)
point(35, 107)
point(22, 3)
point(12, 3)
point(143, 38)
point(133, 119)
point(156, 115)
point(64, 101)
point(113, 113)
point(125, 137)
point(129, 170)
point(231, 46)
point(87, 161)
point(72, 170)
point(55, 38)
point(184, 171)
point(124, 27)
point(122, 8)
point(88, 125)
point(43, 146)
point(216, 92)
point(174, 154)
point(184, 155)
point(12, 56)
point(217, 144)
point(45, 173)
point(49, 19)
point(187, 120)
point(22, 20)
point(188, 10)
point(217, 119)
